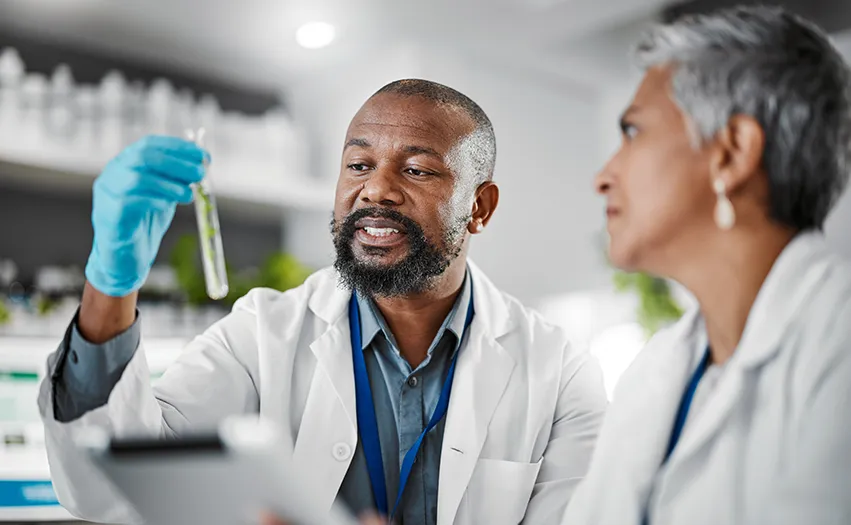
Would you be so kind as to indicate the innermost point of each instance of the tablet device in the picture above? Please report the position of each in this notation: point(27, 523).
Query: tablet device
point(224, 477)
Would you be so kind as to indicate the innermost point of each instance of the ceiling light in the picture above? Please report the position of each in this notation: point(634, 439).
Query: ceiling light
point(315, 35)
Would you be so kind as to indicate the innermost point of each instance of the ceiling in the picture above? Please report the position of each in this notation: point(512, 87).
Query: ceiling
point(252, 42)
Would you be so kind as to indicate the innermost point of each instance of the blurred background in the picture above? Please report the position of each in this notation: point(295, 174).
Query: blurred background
point(275, 84)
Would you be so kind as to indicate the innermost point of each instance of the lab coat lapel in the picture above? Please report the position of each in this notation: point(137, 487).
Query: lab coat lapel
point(786, 290)
point(641, 426)
point(330, 418)
point(483, 371)
point(482, 374)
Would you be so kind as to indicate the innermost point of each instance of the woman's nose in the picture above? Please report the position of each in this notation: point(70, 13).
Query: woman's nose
point(603, 179)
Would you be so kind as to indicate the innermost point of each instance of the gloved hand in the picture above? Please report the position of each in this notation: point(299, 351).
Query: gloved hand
point(134, 200)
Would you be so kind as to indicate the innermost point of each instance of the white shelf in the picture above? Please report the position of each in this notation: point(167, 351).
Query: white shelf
point(35, 514)
point(60, 168)
point(30, 353)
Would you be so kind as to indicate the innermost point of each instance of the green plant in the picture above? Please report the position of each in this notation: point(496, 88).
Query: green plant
point(5, 313)
point(185, 261)
point(280, 271)
point(657, 306)
point(46, 305)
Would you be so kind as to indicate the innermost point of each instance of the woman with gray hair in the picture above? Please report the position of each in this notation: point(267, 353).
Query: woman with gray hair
point(735, 149)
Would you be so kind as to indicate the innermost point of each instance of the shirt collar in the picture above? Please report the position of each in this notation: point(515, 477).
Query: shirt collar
point(372, 322)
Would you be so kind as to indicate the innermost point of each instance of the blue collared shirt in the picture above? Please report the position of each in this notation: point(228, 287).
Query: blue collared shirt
point(404, 400)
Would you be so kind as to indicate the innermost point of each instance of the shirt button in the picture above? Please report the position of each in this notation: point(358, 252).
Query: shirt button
point(74, 357)
point(413, 381)
point(342, 451)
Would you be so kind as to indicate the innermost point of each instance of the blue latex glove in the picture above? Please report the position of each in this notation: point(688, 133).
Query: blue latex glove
point(134, 201)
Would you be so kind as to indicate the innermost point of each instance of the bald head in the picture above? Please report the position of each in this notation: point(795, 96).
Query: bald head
point(476, 152)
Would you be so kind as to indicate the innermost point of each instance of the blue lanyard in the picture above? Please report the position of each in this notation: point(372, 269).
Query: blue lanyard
point(685, 404)
point(368, 424)
point(682, 414)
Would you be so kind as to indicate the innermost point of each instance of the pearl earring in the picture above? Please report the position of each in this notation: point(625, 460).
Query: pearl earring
point(725, 214)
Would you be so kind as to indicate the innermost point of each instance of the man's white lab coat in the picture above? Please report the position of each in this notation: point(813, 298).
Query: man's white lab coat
point(522, 421)
point(772, 443)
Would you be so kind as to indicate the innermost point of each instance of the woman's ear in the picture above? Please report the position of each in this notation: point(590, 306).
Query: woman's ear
point(487, 199)
point(740, 148)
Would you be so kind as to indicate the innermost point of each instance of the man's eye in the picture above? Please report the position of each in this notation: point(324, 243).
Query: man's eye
point(358, 167)
point(418, 173)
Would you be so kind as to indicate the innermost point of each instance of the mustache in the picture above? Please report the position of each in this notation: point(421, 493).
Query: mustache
point(416, 272)
point(346, 229)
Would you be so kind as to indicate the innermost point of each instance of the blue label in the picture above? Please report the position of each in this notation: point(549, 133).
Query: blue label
point(29, 493)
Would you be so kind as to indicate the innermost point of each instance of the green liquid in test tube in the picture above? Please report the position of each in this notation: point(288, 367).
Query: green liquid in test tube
point(207, 216)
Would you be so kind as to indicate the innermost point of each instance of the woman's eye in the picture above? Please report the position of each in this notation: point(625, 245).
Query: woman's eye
point(629, 131)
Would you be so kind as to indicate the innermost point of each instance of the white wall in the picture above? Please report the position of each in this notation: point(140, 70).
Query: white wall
point(839, 223)
point(545, 238)
point(839, 226)
point(323, 104)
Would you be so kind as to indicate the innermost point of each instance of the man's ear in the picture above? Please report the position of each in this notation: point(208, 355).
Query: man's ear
point(487, 198)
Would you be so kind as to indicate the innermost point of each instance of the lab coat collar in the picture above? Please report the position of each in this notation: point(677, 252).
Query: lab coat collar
point(786, 290)
point(372, 322)
point(330, 299)
point(491, 305)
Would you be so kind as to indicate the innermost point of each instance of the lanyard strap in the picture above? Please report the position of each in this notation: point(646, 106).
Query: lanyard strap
point(682, 414)
point(368, 424)
point(685, 404)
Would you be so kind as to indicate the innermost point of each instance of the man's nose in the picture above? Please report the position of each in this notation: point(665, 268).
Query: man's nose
point(382, 188)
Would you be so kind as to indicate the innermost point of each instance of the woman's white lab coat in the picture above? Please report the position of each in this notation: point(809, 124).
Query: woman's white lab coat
point(522, 421)
point(772, 443)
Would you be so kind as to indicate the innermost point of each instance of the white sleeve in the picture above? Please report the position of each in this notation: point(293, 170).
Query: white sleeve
point(579, 414)
point(213, 378)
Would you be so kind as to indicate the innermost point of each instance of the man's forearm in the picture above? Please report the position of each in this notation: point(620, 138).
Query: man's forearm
point(103, 317)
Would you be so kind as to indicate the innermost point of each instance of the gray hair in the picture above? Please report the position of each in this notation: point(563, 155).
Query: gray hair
point(781, 70)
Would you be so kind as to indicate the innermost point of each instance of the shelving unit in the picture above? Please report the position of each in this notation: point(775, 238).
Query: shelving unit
point(64, 114)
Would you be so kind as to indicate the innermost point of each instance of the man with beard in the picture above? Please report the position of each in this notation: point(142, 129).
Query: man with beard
point(403, 380)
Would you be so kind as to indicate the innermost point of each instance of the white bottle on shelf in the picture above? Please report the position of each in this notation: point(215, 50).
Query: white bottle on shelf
point(61, 118)
point(207, 114)
point(281, 140)
point(136, 111)
point(112, 96)
point(183, 116)
point(225, 158)
point(12, 72)
point(158, 105)
point(85, 140)
point(31, 131)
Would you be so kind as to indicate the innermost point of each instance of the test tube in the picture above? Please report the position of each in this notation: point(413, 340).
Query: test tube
point(207, 216)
